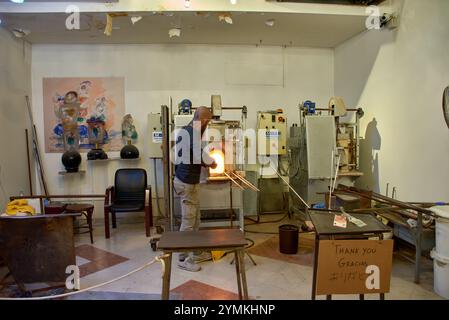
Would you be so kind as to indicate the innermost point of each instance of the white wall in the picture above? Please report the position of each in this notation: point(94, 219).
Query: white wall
point(398, 78)
point(155, 72)
point(15, 83)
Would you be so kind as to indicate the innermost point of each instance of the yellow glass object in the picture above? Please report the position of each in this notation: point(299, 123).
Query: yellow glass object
point(16, 206)
point(217, 255)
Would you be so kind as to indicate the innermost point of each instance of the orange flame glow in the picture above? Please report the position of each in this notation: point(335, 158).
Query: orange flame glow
point(218, 156)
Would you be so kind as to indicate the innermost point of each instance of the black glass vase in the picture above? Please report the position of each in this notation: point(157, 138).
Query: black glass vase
point(129, 151)
point(97, 154)
point(71, 159)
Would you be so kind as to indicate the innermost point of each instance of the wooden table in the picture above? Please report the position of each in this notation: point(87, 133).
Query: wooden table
point(37, 249)
point(86, 210)
point(325, 229)
point(207, 240)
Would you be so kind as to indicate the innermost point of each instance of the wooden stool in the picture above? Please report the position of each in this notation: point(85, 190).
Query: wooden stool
point(55, 208)
point(86, 210)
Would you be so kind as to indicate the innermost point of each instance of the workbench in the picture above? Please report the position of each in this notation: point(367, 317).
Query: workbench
point(37, 249)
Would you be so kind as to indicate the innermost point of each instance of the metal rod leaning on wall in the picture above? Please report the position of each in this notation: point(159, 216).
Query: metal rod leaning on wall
point(171, 127)
point(166, 164)
point(330, 182)
point(28, 162)
point(36, 147)
point(291, 188)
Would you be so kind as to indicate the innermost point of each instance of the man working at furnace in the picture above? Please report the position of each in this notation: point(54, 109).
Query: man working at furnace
point(187, 181)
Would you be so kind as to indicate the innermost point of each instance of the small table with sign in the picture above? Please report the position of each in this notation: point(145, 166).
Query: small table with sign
point(342, 256)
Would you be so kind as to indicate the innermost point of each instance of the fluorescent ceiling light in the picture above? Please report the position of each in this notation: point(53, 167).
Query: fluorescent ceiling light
point(18, 1)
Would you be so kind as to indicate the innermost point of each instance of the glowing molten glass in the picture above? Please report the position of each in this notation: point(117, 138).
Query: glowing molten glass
point(218, 156)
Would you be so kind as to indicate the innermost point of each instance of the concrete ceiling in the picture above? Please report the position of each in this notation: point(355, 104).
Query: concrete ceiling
point(291, 29)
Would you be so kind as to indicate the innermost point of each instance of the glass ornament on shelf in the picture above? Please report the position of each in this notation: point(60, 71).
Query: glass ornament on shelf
point(69, 112)
point(97, 133)
point(129, 134)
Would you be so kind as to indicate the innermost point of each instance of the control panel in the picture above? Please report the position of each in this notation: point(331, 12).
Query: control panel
point(272, 133)
point(154, 135)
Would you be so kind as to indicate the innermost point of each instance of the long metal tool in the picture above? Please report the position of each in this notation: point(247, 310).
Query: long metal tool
point(291, 188)
point(36, 149)
point(246, 182)
point(330, 182)
point(336, 172)
point(235, 182)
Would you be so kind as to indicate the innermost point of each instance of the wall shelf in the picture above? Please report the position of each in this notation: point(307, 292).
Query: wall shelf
point(65, 173)
point(113, 159)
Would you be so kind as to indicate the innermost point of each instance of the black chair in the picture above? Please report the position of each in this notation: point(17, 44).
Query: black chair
point(128, 195)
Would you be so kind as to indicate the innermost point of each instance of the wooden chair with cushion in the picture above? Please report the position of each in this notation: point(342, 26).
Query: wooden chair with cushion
point(128, 195)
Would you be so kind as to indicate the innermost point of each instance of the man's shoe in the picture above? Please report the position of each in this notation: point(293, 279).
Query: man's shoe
point(189, 265)
point(203, 256)
point(182, 256)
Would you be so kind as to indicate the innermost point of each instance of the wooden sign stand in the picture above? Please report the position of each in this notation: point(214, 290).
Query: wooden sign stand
point(346, 261)
point(354, 267)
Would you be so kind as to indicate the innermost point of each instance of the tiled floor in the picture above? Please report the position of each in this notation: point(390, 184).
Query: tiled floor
point(195, 290)
point(275, 276)
point(270, 249)
point(94, 259)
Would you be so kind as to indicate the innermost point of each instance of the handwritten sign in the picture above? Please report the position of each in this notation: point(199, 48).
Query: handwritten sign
point(354, 266)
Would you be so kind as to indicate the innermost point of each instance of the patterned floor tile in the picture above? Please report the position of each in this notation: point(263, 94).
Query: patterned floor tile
point(98, 259)
point(270, 249)
point(195, 290)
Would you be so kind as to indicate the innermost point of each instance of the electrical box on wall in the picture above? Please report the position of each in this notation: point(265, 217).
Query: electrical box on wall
point(272, 133)
point(154, 135)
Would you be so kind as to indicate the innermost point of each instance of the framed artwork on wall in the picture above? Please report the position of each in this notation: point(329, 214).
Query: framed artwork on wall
point(101, 99)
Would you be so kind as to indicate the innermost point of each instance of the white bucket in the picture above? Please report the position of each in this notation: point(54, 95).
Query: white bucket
point(440, 274)
point(440, 254)
point(442, 236)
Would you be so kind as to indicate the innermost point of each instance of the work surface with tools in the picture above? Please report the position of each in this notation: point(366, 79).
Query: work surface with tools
point(324, 224)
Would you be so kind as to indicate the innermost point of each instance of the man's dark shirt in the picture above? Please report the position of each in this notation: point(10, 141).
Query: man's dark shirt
point(188, 172)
